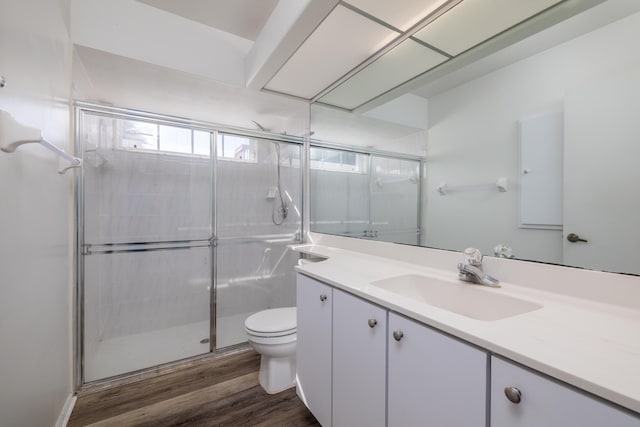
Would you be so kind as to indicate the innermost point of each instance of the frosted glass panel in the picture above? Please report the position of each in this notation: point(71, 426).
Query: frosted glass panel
point(402, 14)
point(339, 190)
point(473, 21)
point(254, 268)
point(252, 276)
point(394, 199)
point(400, 64)
point(143, 195)
point(341, 42)
point(144, 308)
point(146, 254)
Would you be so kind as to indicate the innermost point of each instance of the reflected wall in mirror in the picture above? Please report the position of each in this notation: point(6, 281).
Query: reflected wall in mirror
point(555, 116)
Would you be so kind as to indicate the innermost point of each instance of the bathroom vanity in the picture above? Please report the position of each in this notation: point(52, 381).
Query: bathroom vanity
point(379, 344)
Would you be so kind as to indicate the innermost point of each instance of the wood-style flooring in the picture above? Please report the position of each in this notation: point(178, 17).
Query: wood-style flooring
point(221, 391)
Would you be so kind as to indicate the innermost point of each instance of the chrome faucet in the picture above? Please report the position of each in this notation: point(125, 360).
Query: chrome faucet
point(471, 269)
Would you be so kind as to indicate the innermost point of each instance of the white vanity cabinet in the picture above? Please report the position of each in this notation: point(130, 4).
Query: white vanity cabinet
point(521, 398)
point(359, 362)
point(314, 301)
point(433, 379)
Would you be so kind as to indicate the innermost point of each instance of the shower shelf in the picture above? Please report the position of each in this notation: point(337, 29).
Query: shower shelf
point(501, 184)
point(13, 135)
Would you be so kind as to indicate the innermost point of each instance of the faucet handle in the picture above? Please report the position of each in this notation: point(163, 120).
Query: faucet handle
point(473, 256)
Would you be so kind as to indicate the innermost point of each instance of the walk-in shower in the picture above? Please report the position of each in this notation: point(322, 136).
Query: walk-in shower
point(183, 230)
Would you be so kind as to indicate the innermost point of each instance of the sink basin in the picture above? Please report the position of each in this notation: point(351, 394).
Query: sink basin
point(457, 297)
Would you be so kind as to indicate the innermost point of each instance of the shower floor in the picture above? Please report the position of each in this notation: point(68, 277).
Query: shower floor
point(119, 355)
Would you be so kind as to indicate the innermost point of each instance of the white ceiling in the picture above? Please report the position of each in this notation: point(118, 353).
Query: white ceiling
point(244, 18)
point(300, 47)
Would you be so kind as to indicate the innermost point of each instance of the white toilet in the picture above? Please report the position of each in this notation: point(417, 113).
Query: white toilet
point(272, 333)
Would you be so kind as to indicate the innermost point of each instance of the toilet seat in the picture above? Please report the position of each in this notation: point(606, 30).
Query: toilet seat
point(272, 323)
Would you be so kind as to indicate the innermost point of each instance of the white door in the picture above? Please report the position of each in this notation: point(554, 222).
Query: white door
point(313, 347)
point(359, 362)
point(433, 380)
point(602, 174)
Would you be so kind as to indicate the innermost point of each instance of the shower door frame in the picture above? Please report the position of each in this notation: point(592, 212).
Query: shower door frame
point(80, 109)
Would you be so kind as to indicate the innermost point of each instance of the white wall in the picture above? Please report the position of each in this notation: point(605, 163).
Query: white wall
point(473, 138)
point(35, 217)
point(137, 30)
point(123, 82)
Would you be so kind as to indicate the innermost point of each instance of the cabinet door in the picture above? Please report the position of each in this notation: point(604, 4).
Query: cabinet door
point(359, 362)
point(434, 380)
point(314, 302)
point(544, 402)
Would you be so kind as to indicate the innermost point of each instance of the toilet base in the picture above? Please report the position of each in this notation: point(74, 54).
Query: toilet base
point(277, 373)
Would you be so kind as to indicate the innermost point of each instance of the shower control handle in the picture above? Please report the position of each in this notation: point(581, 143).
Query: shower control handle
point(372, 323)
point(323, 297)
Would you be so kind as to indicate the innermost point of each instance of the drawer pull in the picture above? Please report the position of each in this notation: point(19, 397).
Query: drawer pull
point(513, 394)
point(372, 323)
point(397, 335)
point(323, 297)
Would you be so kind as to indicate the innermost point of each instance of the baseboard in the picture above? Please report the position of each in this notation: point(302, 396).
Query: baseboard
point(65, 414)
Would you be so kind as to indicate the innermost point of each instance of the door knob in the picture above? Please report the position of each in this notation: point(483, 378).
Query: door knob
point(573, 238)
point(397, 335)
point(372, 323)
point(323, 297)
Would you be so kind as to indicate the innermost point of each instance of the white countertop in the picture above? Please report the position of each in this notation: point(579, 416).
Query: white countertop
point(588, 344)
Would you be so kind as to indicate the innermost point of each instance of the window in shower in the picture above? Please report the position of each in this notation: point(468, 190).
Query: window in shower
point(152, 137)
point(234, 147)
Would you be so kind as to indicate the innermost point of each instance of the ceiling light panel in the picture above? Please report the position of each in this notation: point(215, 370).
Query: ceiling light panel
point(401, 14)
point(400, 64)
point(473, 21)
point(343, 40)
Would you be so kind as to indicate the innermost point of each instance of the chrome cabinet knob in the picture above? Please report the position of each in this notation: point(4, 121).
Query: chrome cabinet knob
point(323, 297)
point(397, 335)
point(372, 323)
point(513, 394)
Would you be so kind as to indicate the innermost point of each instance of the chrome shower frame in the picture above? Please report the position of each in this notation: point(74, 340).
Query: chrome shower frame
point(80, 109)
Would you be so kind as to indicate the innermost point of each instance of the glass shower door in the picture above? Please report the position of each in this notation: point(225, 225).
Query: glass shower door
point(258, 211)
point(146, 244)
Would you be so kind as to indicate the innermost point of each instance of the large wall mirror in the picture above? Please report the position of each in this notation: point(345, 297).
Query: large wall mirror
point(531, 149)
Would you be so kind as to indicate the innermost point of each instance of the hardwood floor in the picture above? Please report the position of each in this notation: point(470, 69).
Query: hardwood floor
point(213, 392)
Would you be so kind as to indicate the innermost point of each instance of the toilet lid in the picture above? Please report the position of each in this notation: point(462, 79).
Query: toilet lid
point(272, 320)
